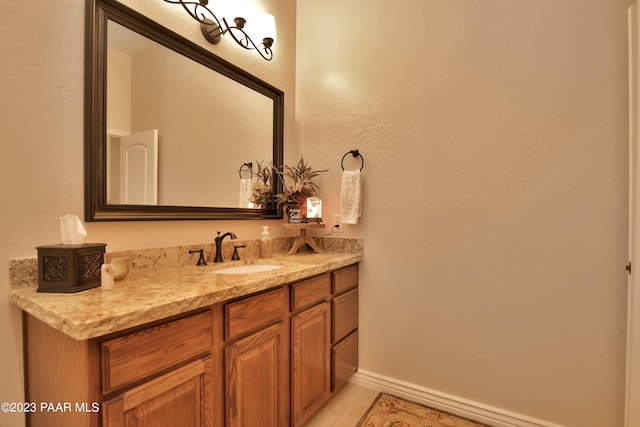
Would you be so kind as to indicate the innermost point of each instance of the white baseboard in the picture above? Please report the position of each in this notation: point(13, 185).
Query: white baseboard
point(445, 402)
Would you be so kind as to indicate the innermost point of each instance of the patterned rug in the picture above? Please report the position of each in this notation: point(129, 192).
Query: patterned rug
point(391, 411)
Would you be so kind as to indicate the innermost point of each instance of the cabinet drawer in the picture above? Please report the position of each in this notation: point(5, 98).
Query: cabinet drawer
point(133, 357)
point(251, 313)
point(344, 359)
point(345, 279)
point(312, 291)
point(345, 314)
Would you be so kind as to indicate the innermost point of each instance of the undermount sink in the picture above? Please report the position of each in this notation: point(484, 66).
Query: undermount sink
point(248, 268)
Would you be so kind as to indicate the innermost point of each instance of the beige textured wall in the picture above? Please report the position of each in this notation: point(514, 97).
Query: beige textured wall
point(41, 155)
point(119, 87)
point(495, 139)
point(495, 216)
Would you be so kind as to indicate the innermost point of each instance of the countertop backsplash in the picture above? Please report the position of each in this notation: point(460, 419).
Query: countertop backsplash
point(23, 272)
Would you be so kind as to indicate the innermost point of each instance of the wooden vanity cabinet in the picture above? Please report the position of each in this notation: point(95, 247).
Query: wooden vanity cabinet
point(282, 363)
point(59, 369)
point(324, 334)
point(344, 334)
point(256, 360)
point(310, 346)
point(181, 395)
point(270, 359)
point(153, 375)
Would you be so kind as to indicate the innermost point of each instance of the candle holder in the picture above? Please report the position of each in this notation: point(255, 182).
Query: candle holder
point(314, 209)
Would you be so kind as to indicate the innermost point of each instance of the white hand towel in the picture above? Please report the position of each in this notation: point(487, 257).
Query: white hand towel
point(246, 189)
point(351, 197)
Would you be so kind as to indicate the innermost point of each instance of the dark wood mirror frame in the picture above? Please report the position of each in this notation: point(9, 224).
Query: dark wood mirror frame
point(96, 207)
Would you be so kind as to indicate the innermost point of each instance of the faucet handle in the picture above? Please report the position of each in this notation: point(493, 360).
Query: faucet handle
point(235, 256)
point(201, 260)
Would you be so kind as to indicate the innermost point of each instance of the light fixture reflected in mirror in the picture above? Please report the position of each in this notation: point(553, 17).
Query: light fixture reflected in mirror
point(213, 28)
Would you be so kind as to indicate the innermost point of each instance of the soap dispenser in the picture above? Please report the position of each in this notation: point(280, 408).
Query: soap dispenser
point(106, 274)
point(265, 243)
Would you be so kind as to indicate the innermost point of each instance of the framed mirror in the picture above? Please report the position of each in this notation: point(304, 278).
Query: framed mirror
point(171, 130)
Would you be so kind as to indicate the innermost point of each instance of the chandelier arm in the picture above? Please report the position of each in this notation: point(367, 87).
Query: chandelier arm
point(200, 13)
point(247, 43)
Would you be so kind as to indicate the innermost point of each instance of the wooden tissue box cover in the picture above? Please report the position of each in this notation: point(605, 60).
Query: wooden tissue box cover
point(69, 268)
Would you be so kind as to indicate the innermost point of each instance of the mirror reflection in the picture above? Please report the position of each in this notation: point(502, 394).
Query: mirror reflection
point(169, 125)
point(177, 133)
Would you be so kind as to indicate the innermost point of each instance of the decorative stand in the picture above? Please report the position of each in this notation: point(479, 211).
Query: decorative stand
point(303, 238)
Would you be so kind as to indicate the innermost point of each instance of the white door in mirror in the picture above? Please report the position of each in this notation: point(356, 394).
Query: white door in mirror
point(139, 168)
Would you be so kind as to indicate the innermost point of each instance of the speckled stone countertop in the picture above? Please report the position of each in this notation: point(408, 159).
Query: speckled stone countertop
point(160, 293)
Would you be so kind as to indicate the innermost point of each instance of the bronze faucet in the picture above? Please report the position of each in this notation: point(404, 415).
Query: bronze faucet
point(219, 240)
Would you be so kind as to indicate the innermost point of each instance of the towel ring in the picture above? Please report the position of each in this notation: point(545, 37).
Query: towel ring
point(354, 153)
point(248, 166)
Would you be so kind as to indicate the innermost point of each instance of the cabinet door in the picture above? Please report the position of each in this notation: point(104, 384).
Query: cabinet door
point(256, 383)
point(182, 397)
point(311, 365)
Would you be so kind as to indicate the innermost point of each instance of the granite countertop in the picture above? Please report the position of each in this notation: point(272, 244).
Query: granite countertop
point(162, 293)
